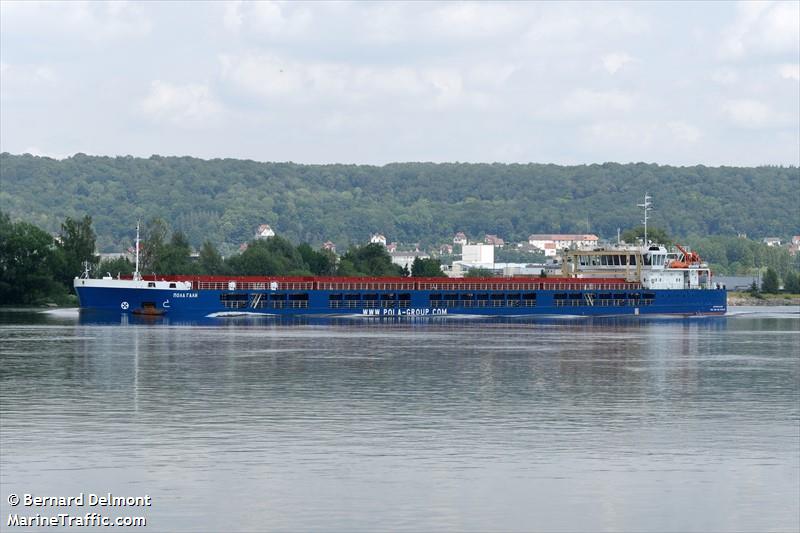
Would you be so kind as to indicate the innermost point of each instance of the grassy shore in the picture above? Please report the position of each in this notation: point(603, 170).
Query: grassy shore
point(745, 298)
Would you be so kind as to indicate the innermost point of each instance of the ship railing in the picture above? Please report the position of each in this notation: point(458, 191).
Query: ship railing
point(406, 286)
point(254, 285)
point(364, 286)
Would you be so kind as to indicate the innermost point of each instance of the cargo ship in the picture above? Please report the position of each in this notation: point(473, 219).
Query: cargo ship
point(619, 280)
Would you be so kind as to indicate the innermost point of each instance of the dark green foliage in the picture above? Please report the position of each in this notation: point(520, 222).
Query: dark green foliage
point(224, 200)
point(29, 262)
point(154, 241)
point(754, 288)
point(510, 254)
point(76, 245)
point(733, 255)
point(210, 261)
point(321, 263)
point(115, 267)
point(268, 257)
point(769, 283)
point(369, 260)
point(175, 257)
point(426, 268)
point(792, 283)
point(656, 235)
point(479, 273)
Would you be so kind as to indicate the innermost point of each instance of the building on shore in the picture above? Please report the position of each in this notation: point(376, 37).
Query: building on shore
point(406, 259)
point(552, 242)
point(264, 232)
point(477, 253)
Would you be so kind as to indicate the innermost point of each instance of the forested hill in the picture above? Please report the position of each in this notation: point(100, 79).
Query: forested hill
point(224, 200)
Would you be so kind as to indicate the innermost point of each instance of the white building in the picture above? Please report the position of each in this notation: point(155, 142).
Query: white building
point(460, 238)
point(477, 253)
point(264, 232)
point(559, 241)
point(406, 259)
point(377, 238)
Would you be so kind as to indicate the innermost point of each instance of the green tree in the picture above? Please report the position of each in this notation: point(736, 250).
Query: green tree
point(792, 283)
point(656, 235)
point(509, 254)
point(754, 288)
point(76, 244)
point(479, 273)
point(28, 263)
point(210, 260)
point(426, 268)
point(369, 260)
point(120, 266)
point(770, 282)
point(155, 237)
point(175, 257)
point(321, 263)
point(412, 202)
point(269, 257)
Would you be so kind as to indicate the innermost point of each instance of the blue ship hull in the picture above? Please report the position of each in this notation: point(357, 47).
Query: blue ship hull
point(417, 303)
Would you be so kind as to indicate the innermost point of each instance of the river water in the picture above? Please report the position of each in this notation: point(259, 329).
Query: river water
point(554, 425)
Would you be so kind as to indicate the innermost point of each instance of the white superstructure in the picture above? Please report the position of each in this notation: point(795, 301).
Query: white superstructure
point(653, 266)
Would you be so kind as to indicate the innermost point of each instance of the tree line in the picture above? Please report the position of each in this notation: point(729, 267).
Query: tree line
point(224, 200)
point(36, 267)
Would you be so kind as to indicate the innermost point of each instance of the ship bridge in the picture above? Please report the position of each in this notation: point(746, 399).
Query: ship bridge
point(652, 266)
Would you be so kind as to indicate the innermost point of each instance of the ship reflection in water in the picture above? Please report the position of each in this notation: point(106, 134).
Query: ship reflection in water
point(113, 318)
point(646, 424)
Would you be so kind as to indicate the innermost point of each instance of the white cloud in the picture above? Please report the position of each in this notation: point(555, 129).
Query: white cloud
point(26, 75)
point(725, 75)
point(268, 18)
point(83, 20)
point(684, 131)
point(384, 81)
point(473, 20)
point(179, 104)
point(615, 61)
point(790, 72)
point(621, 137)
point(270, 76)
point(592, 102)
point(232, 19)
point(34, 83)
point(763, 28)
point(748, 113)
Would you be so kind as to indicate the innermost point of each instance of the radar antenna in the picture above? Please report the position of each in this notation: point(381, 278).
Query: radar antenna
point(647, 206)
point(136, 275)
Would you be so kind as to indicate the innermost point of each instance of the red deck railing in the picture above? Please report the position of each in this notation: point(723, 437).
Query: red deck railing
point(286, 283)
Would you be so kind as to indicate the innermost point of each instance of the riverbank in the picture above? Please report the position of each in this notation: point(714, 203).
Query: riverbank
point(745, 298)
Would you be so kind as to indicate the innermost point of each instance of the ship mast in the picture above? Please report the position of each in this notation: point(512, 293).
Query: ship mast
point(136, 275)
point(647, 206)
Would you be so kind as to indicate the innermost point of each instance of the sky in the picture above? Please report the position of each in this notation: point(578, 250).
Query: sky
point(680, 83)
